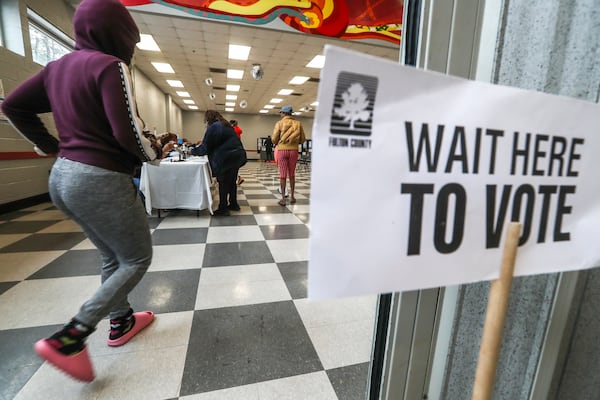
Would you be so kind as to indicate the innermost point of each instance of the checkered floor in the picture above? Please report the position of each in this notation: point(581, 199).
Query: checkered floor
point(233, 321)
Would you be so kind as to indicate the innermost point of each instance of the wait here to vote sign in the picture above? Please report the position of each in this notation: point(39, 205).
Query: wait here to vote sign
point(416, 176)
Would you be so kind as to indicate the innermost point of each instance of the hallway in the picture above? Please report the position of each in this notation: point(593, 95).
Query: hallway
point(233, 321)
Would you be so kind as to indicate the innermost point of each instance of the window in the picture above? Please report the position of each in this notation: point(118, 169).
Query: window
point(11, 35)
point(1, 27)
point(48, 43)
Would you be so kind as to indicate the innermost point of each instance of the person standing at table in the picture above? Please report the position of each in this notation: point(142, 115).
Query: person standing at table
point(100, 142)
point(236, 128)
point(226, 155)
point(287, 135)
point(269, 149)
point(238, 132)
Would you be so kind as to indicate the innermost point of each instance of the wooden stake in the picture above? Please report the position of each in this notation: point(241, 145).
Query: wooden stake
point(494, 318)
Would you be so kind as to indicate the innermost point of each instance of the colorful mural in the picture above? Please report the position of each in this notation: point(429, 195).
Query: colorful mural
point(346, 19)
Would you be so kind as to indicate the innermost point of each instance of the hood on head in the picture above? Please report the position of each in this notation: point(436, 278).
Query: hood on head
point(106, 26)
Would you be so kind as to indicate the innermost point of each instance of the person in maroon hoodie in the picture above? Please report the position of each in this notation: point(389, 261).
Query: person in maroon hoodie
point(101, 140)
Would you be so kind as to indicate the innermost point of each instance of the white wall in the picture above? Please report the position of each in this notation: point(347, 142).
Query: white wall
point(174, 116)
point(156, 108)
point(151, 102)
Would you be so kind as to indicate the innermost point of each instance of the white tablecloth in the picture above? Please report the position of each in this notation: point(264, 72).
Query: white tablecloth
point(185, 184)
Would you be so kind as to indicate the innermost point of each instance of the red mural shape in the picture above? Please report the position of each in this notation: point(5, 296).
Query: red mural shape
point(381, 19)
point(346, 19)
point(326, 17)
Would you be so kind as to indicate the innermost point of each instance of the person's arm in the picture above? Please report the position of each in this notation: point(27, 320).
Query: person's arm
point(167, 148)
point(200, 150)
point(207, 142)
point(116, 90)
point(275, 135)
point(302, 135)
point(22, 107)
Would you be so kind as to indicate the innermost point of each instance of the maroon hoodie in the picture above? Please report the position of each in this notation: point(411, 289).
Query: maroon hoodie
point(89, 93)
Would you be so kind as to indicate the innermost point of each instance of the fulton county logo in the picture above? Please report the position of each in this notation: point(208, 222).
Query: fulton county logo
point(352, 112)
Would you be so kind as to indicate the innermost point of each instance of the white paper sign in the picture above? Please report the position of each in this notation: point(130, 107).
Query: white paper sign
point(416, 175)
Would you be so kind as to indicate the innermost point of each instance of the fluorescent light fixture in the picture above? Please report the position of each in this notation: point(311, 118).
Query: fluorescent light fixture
point(317, 62)
point(263, 111)
point(189, 102)
point(238, 52)
point(229, 109)
point(193, 107)
point(163, 67)
point(315, 103)
point(276, 101)
point(231, 97)
point(147, 43)
point(183, 94)
point(233, 88)
point(230, 104)
point(285, 92)
point(299, 80)
point(269, 106)
point(174, 83)
point(235, 73)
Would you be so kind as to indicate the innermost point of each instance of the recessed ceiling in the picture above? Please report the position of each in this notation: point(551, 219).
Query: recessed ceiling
point(197, 49)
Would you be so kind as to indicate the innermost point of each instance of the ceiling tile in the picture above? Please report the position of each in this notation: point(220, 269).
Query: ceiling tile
point(192, 46)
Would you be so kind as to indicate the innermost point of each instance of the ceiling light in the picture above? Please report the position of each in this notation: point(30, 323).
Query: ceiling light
point(231, 97)
point(208, 81)
point(229, 109)
point(263, 111)
point(317, 62)
point(147, 43)
point(189, 102)
point(163, 67)
point(235, 73)
point(174, 83)
point(269, 106)
point(285, 92)
point(233, 88)
point(243, 104)
point(193, 107)
point(182, 94)
point(276, 101)
point(314, 104)
point(238, 52)
point(230, 104)
point(299, 80)
point(212, 96)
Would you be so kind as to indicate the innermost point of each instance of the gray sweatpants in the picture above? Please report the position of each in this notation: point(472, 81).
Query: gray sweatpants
point(106, 206)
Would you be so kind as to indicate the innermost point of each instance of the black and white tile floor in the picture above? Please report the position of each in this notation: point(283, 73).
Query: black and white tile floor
point(233, 320)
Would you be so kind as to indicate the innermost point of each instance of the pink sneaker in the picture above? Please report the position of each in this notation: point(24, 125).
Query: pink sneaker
point(78, 366)
point(142, 320)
